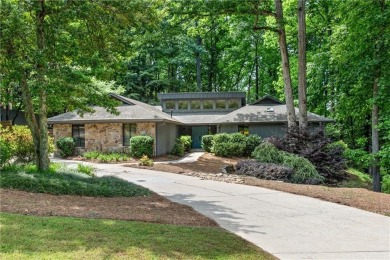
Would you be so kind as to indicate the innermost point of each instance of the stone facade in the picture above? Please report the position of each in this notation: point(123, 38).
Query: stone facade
point(103, 137)
point(62, 130)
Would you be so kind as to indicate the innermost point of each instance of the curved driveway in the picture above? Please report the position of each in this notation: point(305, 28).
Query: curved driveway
point(286, 225)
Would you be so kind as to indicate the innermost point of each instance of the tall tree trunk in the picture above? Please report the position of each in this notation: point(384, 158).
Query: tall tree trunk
point(376, 177)
point(257, 67)
point(43, 147)
point(303, 125)
point(198, 61)
point(291, 119)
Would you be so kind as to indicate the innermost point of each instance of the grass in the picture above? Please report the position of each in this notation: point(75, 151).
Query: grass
point(31, 237)
point(61, 181)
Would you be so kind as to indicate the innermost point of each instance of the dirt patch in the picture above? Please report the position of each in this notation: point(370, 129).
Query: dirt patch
point(354, 197)
point(153, 208)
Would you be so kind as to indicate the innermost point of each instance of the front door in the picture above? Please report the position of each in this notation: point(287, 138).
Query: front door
point(197, 133)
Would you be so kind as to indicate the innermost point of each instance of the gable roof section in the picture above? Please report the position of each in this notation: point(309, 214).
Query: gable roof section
point(267, 100)
point(265, 114)
point(134, 111)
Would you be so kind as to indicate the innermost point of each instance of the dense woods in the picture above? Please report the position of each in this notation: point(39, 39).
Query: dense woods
point(331, 56)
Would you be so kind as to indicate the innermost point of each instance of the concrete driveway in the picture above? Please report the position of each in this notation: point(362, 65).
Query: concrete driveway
point(286, 225)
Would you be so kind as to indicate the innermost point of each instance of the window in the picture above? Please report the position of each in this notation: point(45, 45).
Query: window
point(220, 104)
point(232, 104)
point(207, 104)
point(183, 105)
point(78, 134)
point(195, 104)
point(243, 129)
point(129, 130)
point(170, 105)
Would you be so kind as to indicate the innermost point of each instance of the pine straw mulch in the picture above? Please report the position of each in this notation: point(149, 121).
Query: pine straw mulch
point(152, 208)
point(355, 197)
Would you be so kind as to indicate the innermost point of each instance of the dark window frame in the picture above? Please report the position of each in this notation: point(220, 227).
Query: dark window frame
point(78, 135)
point(243, 129)
point(132, 128)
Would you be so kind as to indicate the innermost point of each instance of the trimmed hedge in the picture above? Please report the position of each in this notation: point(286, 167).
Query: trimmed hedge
point(207, 142)
point(235, 144)
point(66, 146)
point(178, 148)
point(186, 142)
point(141, 145)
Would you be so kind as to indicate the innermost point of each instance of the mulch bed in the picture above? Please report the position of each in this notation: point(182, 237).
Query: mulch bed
point(153, 208)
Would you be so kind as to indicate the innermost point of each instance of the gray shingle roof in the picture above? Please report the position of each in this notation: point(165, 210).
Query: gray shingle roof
point(259, 114)
point(198, 118)
point(135, 111)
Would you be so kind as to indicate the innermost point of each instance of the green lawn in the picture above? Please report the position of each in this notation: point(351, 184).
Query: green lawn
point(31, 237)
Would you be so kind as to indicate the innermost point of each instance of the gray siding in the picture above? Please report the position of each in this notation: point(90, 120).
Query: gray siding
point(166, 135)
point(267, 130)
point(229, 129)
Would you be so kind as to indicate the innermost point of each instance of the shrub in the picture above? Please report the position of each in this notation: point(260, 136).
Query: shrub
point(66, 146)
point(252, 141)
point(21, 142)
point(5, 152)
point(328, 160)
point(267, 153)
point(229, 149)
point(86, 169)
point(178, 148)
point(304, 170)
point(267, 171)
point(141, 145)
point(186, 141)
point(91, 155)
point(386, 183)
point(221, 138)
point(68, 183)
point(207, 142)
point(146, 161)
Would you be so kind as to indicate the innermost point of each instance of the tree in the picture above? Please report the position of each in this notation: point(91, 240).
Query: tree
point(62, 52)
point(303, 125)
point(291, 119)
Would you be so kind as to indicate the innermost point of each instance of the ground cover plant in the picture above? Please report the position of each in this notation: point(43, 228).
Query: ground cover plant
point(106, 157)
point(67, 182)
point(71, 238)
point(303, 170)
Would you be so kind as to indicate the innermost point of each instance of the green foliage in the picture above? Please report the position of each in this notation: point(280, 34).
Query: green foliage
point(357, 179)
point(106, 157)
point(251, 142)
point(178, 148)
point(141, 145)
point(146, 161)
point(386, 183)
point(66, 146)
point(267, 153)
point(91, 155)
point(5, 152)
point(186, 141)
point(357, 158)
point(68, 183)
point(20, 140)
point(229, 149)
point(304, 170)
point(87, 169)
point(207, 142)
point(221, 138)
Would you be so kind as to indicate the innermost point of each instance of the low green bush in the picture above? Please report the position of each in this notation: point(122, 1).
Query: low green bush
point(304, 170)
point(186, 141)
point(66, 146)
point(207, 142)
point(251, 142)
point(69, 183)
point(229, 149)
point(5, 152)
point(91, 155)
point(141, 145)
point(221, 138)
point(178, 148)
point(357, 158)
point(267, 153)
point(106, 157)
